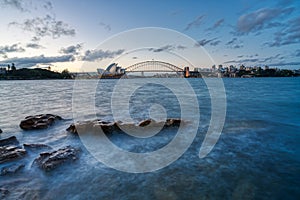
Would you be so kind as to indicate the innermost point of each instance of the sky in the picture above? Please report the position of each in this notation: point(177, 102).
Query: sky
point(84, 35)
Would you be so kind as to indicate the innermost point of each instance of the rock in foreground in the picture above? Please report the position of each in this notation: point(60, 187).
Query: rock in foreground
point(42, 121)
point(11, 169)
point(110, 127)
point(9, 153)
point(50, 160)
point(9, 141)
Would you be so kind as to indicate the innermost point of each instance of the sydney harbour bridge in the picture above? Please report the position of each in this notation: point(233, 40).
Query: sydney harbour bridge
point(152, 66)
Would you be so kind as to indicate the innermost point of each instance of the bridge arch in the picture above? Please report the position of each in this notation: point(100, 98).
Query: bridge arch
point(153, 66)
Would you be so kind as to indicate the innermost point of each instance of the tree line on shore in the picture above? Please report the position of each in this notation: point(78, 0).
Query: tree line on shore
point(12, 73)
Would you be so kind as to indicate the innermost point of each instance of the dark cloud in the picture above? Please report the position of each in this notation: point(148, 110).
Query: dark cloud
point(93, 55)
point(163, 48)
point(247, 60)
point(290, 34)
point(168, 47)
point(250, 59)
point(105, 26)
point(260, 19)
point(181, 47)
point(34, 46)
point(33, 61)
point(134, 57)
point(284, 64)
point(217, 24)
point(234, 43)
point(203, 42)
point(47, 26)
point(195, 23)
point(73, 49)
point(12, 48)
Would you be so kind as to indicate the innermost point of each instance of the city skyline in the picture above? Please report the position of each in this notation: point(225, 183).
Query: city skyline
point(67, 34)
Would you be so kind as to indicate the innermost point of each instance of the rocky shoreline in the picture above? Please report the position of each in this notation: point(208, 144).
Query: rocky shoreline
point(49, 159)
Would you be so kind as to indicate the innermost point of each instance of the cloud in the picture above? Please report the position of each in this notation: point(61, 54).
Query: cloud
point(93, 55)
point(290, 34)
point(105, 26)
point(167, 47)
point(33, 61)
point(195, 23)
point(203, 42)
point(47, 26)
point(259, 19)
point(73, 49)
point(26, 6)
point(285, 64)
point(16, 4)
point(12, 48)
point(34, 46)
point(234, 43)
point(216, 25)
point(250, 59)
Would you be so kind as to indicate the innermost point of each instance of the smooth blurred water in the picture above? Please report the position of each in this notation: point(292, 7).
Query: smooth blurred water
point(256, 157)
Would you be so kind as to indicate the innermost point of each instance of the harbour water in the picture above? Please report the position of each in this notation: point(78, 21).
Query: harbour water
point(256, 157)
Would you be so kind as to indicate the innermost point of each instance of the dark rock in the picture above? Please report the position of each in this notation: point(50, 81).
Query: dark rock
point(50, 160)
point(11, 169)
point(9, 141)
point(36, 146)
point(8, 153)
point(145, 122)
point(72, 129)
point(38, 121)
point(1, 131)
point(173, 122)
point(4, 192)
point(110, 127)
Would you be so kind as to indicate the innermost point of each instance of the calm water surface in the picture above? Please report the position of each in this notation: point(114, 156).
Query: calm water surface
point(256, 157)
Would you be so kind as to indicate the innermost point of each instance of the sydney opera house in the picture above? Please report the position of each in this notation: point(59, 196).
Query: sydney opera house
point(112, 71)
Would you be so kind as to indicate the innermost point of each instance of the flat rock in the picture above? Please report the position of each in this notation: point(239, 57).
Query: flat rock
point(42, 121)
point(110, 127)
point(11, 169)
point(9, 141)
point(11, 152)
point(51, 160)
point(36, 146)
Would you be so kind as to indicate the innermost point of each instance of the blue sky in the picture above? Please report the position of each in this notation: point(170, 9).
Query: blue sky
point(67, 33)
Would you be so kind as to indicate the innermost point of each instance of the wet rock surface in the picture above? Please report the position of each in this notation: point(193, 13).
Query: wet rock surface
point(11, 169)
point(51, 160)
point(37, 122)
point(11, 152)
point(36, 146)
point(110, 127)
point(9, 141)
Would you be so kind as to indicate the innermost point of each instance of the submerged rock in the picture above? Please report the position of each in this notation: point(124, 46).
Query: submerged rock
point(11, 169)
point(50, 160)
point(38, 121)
point(110, 127)
point(9, 141)
point(36, 146)
point(9, 153)
point(4, 192)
